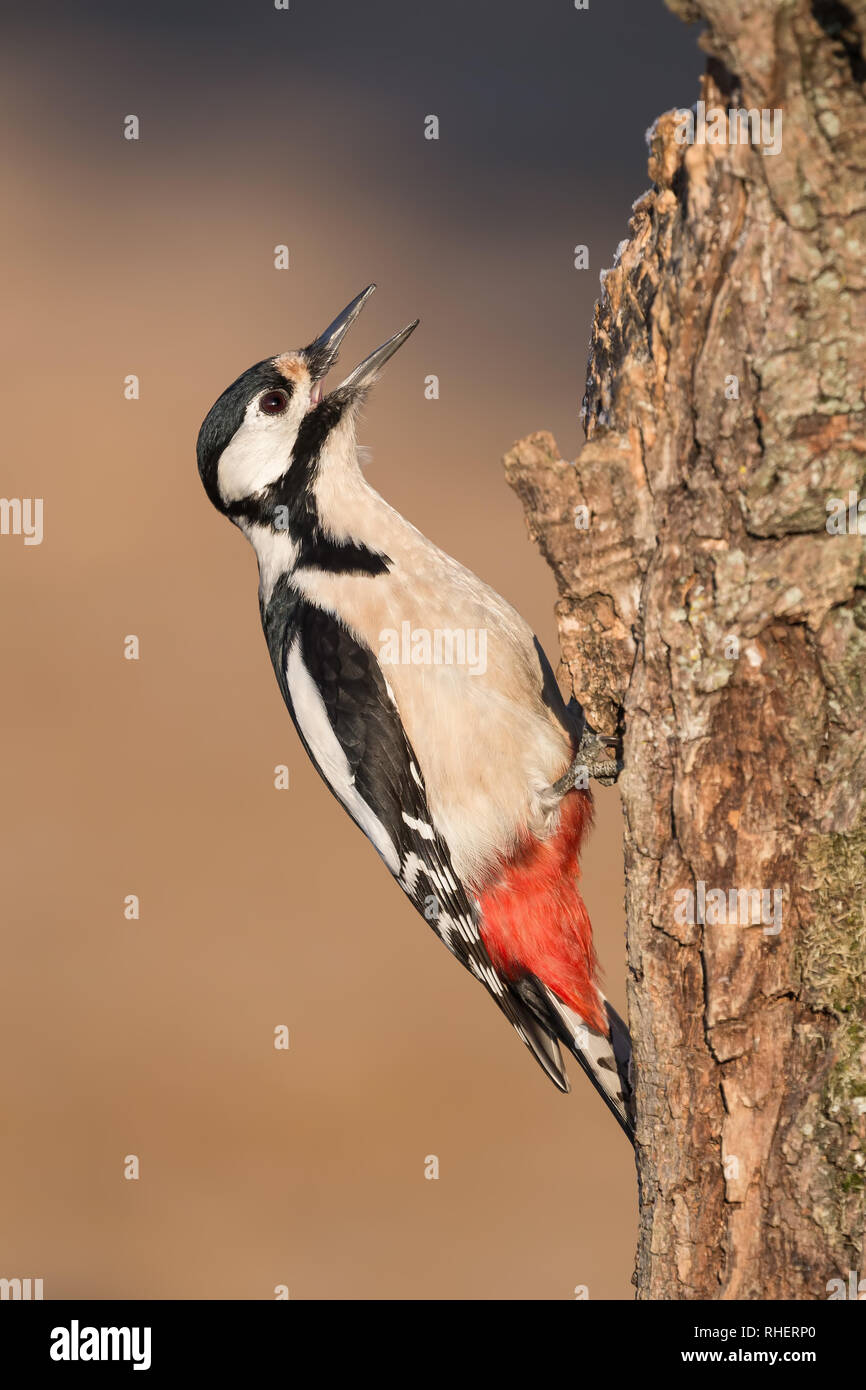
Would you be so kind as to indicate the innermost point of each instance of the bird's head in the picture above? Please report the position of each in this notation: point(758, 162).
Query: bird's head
point(261, 440)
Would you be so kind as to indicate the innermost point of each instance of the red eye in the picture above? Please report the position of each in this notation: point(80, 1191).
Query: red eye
point(273, 402)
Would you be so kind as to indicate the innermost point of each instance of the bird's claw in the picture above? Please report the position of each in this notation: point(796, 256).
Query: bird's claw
point(592, 761)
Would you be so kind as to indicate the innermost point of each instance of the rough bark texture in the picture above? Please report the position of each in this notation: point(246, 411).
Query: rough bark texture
point(745, 761)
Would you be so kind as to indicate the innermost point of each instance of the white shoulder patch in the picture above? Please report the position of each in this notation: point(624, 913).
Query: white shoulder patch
point(324, 745)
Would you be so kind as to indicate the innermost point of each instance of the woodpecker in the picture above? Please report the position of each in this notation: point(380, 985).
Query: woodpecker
point(465, 777)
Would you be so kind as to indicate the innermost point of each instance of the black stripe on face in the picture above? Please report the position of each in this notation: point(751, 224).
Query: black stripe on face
point(225, 418)
point(318, 550)
point(289, 504)
point(341, 557)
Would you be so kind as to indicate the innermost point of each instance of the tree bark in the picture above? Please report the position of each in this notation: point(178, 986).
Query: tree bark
point(707, 605)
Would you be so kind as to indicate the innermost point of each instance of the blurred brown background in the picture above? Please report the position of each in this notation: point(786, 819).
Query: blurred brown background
point(155, 777)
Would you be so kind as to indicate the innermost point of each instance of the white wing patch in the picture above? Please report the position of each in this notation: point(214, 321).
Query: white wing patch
point(447, 924)
point(420, 827)
point(486, 975)
point(412, 866)
point(313, 722)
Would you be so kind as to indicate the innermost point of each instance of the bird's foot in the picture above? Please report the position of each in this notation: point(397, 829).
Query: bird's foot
point(592, 761)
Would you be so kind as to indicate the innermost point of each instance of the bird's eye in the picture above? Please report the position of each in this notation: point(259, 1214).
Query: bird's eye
point(273, 402)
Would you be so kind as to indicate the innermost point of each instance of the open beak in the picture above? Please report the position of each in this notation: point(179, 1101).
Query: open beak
point(322, 354)
point(366, 372)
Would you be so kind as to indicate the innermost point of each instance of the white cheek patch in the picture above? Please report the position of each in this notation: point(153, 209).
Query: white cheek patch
point(261, 449)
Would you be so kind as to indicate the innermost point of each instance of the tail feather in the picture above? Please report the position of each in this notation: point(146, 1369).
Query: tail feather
point(621, 1041)
point(606, 1059)
point(544, 1047)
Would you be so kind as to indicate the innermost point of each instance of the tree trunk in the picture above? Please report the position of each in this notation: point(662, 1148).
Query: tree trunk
point(710, 603)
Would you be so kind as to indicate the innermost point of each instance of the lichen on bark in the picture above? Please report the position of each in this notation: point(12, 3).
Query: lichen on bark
point(708, 606)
